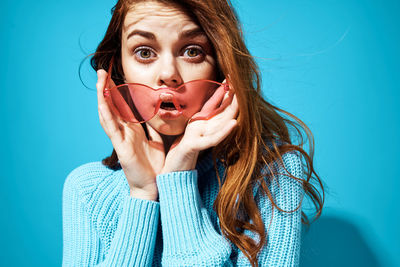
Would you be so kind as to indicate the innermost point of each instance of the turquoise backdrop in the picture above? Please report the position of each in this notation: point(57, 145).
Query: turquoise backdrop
point(334, 64)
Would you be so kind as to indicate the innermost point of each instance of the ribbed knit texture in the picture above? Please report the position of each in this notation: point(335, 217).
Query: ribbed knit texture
point(104, 226)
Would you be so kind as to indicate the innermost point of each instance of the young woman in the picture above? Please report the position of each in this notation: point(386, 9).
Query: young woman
point(204, 171)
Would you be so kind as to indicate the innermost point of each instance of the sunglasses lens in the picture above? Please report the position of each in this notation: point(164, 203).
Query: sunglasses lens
point(201, 98)
point(134, 103)
point(139, 103)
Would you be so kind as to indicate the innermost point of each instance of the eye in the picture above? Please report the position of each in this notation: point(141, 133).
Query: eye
point(193, 51)
point(144, 53)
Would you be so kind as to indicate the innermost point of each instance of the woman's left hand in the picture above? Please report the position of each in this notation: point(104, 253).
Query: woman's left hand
point(200, 135)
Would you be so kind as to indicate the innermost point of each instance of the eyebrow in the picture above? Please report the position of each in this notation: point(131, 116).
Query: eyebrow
point(184, 34)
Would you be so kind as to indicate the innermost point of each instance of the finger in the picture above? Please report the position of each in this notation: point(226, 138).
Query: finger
point(215, 104)
point(101, 85)
point(215, 100)
point(233, 109)
point(228, 95)
point(228, 81)
point(226, 101)
point(223, 110)
point(104, 123)
point(107, 119)
point(110, 126)
point(225, 117)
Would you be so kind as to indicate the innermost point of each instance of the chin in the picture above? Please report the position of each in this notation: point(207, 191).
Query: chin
point(166, 130)
point(169, 127)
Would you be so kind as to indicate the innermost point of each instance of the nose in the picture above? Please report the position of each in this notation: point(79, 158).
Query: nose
point(169, 74)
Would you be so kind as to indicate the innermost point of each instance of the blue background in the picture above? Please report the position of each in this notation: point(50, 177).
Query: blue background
point(334, 64)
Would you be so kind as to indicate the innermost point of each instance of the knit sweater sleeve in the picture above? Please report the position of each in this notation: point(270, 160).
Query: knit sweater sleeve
point(189, 238)
point(135, 235)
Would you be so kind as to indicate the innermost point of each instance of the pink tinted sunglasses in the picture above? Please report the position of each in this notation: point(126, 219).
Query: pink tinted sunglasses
point(195, 100)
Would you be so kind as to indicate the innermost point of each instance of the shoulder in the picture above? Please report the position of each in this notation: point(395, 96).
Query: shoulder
point(286, 190)
point(291, 161)
point(99, 192)
point(86, 177)
point(89, 172)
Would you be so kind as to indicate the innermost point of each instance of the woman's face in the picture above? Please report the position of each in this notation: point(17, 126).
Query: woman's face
point(163, 47)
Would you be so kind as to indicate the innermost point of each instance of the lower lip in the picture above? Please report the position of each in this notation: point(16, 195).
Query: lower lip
point(169, 114)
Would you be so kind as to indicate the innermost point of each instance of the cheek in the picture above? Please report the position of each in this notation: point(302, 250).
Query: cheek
point(198, 71)
point(138, 73)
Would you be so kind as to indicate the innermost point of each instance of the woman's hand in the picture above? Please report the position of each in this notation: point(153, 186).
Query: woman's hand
point(200, 135)
point(140, 158)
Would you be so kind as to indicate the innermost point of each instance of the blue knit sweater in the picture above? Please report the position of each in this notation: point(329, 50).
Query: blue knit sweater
point(104, 226)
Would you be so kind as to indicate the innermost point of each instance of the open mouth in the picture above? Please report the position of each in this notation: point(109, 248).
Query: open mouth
point(167, 106)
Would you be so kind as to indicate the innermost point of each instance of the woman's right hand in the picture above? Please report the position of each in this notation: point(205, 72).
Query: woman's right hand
point(140, 158)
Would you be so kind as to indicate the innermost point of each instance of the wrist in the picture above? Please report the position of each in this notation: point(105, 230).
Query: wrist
point(180, 162)
point(142, 194)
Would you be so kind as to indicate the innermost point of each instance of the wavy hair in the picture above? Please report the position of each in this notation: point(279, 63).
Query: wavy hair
point(263, 134)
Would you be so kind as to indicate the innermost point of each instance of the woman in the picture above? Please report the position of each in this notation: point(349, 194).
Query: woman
point(224, 189)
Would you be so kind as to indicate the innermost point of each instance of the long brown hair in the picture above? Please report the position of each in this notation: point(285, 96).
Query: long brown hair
point(264, 132)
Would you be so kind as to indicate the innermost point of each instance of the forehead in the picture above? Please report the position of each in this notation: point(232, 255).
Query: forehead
point(154, 15)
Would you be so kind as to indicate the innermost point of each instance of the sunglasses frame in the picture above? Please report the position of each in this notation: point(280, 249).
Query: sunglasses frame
point(107, 93)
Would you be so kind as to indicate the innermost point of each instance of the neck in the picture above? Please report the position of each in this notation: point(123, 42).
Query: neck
point(168, 140)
